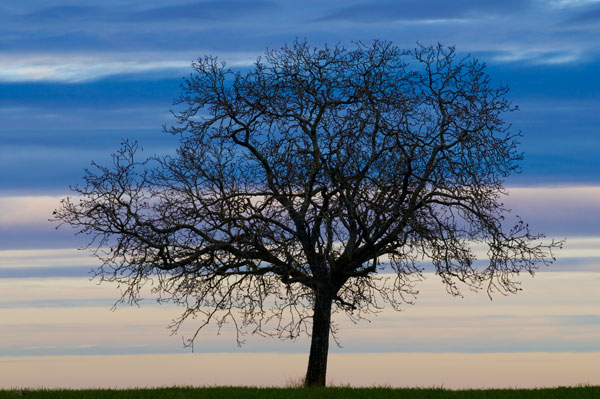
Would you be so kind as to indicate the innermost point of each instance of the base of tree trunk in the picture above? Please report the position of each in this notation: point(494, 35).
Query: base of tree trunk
point(319, 347)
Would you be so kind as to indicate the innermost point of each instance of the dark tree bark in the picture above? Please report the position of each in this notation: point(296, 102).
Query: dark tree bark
point(319, 346)
point(297, 182)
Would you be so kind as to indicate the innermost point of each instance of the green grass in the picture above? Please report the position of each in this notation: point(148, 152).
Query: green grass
point(301, 393)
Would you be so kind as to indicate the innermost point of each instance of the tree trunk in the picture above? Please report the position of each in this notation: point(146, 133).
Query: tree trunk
point(319, 346)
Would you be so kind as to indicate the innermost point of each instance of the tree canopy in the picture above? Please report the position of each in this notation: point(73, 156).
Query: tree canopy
point(298, 181)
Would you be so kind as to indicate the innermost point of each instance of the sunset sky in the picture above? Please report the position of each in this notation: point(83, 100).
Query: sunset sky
point(76, 78)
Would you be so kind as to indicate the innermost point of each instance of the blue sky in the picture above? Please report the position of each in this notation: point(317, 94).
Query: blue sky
point(76, 78)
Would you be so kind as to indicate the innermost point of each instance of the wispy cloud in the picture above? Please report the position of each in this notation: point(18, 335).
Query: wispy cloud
point(205, 10)
point(46, 258)
point(149, 11)
point(19, 211)
point(78, 71)
point(82, 32)
point(572, 3)
point(78, 68)
point(73, 313)
point(82, 68)
point(560, 211)
point(539, 57)
point(411, 10)
point(591, 16)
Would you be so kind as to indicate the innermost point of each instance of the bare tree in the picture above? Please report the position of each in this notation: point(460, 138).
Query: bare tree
point(299, 180)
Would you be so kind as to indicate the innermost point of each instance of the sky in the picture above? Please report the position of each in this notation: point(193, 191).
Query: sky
point(76, 78)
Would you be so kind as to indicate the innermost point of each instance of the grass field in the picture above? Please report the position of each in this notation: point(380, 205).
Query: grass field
point(301, 393)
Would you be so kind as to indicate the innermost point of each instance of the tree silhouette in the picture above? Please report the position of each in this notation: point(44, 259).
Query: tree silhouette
point(298, 181)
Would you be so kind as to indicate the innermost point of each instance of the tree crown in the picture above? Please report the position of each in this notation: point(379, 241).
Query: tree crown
point(307, 174)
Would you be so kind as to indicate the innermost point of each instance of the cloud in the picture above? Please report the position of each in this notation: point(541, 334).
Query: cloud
point(88, 38)
point(46, 258)
point(560, 211)
point(224, 10)
point(589, 16)
point(45, 272)
point(411, 10)
point(205, 11)
point(235, 24)
point(78, 69)
point(538, 57)
point(71, 68)
point(555, 312)
point(572, 3)
point(19, 211)
point(557, 211)
point(24, 225)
